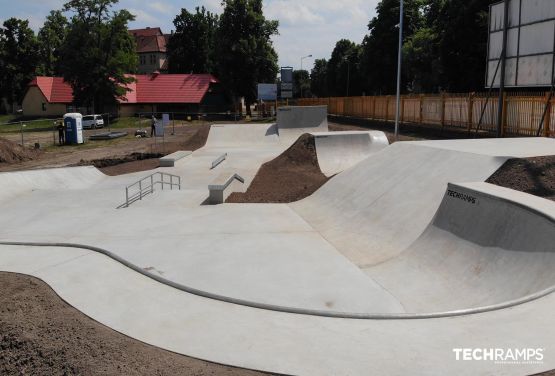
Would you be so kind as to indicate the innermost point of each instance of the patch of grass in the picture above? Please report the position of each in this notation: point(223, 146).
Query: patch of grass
point(40, 125)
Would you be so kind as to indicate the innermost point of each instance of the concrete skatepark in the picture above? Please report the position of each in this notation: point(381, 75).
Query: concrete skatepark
point(403, 256)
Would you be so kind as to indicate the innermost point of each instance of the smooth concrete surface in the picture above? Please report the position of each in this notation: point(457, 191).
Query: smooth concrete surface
point(283, 343)
point(169, 160)
point(381, 237)
point(339, 151)
point(293, 121)
point(225, 184)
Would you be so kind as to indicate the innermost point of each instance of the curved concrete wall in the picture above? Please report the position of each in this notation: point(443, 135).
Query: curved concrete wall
point(486, 245)
point(293, 122)
point(338, 151)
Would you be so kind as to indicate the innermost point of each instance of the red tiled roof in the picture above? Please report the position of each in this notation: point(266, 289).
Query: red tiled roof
point(161, 88)
point(147, 32)
point(173, 88)
point(154, 43)
point(54, 89)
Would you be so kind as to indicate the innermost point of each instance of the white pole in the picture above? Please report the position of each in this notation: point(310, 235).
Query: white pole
point(400, 59)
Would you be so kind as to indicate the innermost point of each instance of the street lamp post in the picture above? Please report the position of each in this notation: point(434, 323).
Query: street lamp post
point(302, 58)
point(399, 62)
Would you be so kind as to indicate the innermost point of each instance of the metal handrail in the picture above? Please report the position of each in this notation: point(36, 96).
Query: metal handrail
point(146, 186)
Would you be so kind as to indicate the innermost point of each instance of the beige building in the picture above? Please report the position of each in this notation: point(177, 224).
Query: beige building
point(151, 49)
point(47, 97)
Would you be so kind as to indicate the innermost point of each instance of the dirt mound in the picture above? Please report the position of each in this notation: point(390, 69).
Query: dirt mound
point(10, 152)
point(531, 175)
point(42, 335)
point(196, 141)
point(292, 176)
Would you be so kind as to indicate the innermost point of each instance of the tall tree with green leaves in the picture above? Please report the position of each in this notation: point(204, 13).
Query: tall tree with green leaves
point(51, 38)
point(244, 51)
point(191, 47)
point(343, 69)
point(462, 30)
point(98, 53)
point(301, 80)
point(318, 78)
point(18, 59)
point(380, 47)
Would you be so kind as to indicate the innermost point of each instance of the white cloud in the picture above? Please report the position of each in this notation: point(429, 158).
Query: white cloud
point(144, 18)
point(314, 26)
point(162, 7)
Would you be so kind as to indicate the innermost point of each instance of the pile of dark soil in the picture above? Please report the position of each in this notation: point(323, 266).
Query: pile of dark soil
point(40, 334)
point(197, 140)
point(10, 152)
point(292, 176)
point(531, 175)
point(107, 162)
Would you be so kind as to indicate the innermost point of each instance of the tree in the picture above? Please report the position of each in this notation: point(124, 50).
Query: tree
point(301, 80)
point(462, 30)
point(51, 38)
point(98, 52)
point(381, 45)
point(191, 47)
point(18, 59)
point(343, 69)
point(318, 78)
point(245, 54)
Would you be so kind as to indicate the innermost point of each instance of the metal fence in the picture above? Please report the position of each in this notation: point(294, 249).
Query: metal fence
point(522, 112)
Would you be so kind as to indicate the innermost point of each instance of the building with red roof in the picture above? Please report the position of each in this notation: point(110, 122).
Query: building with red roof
point(151, 50)
point(193, 93)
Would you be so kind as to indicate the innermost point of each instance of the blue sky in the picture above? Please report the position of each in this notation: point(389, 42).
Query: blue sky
point(306, 27)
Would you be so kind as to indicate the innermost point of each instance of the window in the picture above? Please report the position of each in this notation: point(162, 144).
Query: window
point(44, 106)
point(152, 59)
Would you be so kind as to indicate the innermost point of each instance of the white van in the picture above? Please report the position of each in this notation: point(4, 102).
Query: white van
point(93, 121)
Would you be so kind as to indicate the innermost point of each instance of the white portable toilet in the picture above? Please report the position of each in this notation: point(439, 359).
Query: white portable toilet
point(74, 128)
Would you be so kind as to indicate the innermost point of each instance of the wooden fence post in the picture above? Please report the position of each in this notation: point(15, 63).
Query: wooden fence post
point(443, 109)
point(504, 115)
point(547, 119)
point(470, 110)
point(421, 109)
point(373, 107)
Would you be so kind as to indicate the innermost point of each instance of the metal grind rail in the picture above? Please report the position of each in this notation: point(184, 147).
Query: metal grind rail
point(145, 186)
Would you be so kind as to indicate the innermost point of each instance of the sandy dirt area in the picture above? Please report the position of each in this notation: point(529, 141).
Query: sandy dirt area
point(40, 334)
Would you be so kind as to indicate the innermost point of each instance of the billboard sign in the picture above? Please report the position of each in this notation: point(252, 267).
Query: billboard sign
point(287, 82)
point(530, 43)
point(267, 92)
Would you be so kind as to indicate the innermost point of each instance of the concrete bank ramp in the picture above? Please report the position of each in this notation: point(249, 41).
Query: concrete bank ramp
point(68, 178)
point(338, 151)
point(293, 122)
point(374, 211)
point(241, 135)
point(486, 246)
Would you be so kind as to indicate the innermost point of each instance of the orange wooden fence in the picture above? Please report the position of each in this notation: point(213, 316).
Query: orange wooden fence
point(522, 113)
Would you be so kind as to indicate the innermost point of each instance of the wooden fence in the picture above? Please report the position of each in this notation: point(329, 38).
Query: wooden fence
point(522, 112)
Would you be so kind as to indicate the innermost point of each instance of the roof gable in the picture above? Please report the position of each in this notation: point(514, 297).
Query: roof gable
point(146, 32)
point(54, 89)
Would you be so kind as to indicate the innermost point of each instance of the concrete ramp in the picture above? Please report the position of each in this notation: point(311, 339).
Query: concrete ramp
point(241, 135)
point(377, 209)
point(68, 178)
point(338, 151)
point(486, 246)
point(293, 122)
